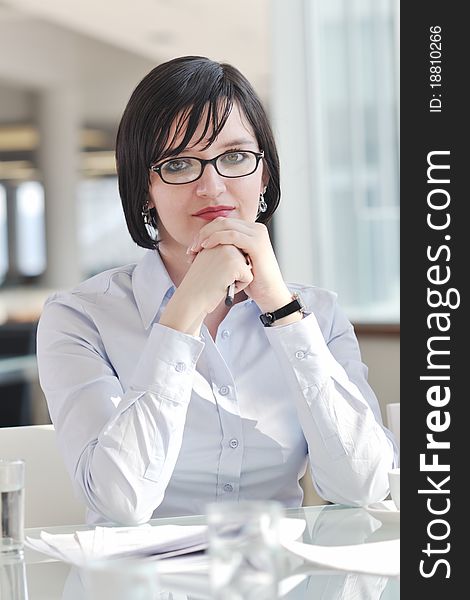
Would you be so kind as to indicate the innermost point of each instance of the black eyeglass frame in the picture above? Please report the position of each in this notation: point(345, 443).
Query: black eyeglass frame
point(204, 163)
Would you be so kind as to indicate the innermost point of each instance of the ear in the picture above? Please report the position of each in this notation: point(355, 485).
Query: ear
point(150, 200)
point(264, 179)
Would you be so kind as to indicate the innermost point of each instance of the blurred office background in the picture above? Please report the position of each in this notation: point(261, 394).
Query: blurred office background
point(327, 71)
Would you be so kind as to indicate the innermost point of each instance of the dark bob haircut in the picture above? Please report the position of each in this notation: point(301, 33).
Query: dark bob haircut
point(179, 91)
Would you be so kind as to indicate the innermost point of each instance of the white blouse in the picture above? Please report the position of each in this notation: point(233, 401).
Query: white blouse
point(154, 422)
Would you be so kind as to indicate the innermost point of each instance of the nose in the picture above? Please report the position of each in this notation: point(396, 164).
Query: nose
point(210, 184)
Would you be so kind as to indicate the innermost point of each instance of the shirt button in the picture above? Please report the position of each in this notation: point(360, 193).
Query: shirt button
point(180, 367)
point(225, 334)
point(228, 488)
point(234, 443)
point(300, 354)
point(223, 391)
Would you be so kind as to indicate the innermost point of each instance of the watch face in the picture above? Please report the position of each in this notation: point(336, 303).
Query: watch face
point(267, 319)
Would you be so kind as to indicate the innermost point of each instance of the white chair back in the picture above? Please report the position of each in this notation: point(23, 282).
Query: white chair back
point(393, 420)
point(49, 495)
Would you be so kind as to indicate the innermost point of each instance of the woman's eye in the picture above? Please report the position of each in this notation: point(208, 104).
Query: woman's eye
point(176, 165)
point(234, 157)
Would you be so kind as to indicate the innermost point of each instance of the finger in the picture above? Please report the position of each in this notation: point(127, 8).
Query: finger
point(244, 279)
point(190, 257)
point(221, 224)
point(191, 252)
point(242, 241)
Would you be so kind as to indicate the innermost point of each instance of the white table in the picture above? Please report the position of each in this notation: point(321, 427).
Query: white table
point(326, 525)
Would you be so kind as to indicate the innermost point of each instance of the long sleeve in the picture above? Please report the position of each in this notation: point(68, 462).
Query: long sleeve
point(349, 449)
point(120, 445)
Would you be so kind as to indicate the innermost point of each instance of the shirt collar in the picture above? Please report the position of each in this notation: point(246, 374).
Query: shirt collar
point(151, 285)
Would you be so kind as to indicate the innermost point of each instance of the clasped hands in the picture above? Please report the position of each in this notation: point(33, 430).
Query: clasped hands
point(218, 257)
point(259, 276)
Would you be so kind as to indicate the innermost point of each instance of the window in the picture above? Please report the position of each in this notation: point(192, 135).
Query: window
point(341, 146)
point(30, 230)
point(103, 236)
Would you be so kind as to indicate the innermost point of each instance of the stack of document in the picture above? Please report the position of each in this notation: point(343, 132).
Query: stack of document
point(121, 542)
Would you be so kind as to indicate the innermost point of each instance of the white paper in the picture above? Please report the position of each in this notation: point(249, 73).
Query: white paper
point(141, 541)
point(121, 542)
point(375, 558)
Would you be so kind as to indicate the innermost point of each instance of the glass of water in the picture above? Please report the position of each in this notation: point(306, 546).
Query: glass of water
point(244, 549)
point(11, 506)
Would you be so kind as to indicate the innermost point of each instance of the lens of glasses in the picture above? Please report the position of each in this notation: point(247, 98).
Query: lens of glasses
point(236, 164)
point(180, 170)
point(229, 164)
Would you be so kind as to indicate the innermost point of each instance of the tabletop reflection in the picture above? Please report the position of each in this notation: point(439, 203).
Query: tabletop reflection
point(325, 526)
point(13, 582)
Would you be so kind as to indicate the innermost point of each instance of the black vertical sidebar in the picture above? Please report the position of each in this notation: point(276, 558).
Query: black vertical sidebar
point(435, 328)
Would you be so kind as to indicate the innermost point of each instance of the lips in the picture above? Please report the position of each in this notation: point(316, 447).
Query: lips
point(212, 212)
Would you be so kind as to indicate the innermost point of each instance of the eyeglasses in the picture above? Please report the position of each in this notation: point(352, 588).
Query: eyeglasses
point(186, 169)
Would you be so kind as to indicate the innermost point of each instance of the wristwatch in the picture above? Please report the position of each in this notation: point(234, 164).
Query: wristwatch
point(295, 305)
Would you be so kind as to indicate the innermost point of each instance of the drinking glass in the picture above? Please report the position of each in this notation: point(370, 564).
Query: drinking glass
point(244, 549)
point(11, 506)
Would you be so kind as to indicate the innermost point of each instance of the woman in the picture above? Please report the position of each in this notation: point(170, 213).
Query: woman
point(163, 397)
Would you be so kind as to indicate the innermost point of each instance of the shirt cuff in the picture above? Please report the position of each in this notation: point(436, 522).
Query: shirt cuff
point(303, 345)
point(168, 361)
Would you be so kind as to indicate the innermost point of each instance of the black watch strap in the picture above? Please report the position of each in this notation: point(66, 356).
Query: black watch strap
point(270, 317)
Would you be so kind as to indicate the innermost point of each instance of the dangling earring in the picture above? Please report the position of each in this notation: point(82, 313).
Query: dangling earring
point(148, 221)
point(262, 206)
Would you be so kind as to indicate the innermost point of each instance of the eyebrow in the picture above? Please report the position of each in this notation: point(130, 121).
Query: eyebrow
point(230, 144)
point(239, 142)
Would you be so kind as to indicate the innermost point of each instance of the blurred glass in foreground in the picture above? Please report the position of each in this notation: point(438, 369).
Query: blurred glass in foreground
point(244, 548)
